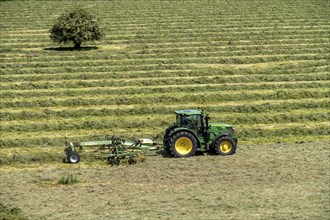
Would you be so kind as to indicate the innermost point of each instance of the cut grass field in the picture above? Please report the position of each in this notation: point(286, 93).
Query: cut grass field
point(261, 65)
point(159, 56)
point(274, 181)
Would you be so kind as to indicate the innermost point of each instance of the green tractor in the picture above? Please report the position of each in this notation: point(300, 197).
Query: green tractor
point(192, 132)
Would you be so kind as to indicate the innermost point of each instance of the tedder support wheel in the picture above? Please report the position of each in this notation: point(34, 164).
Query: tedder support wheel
point(132, 160)
point(224, 146)
point(114, 161)
point(183, 144)
point(73, 157)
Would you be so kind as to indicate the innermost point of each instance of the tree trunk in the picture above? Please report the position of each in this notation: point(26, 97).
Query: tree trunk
point(77, 45)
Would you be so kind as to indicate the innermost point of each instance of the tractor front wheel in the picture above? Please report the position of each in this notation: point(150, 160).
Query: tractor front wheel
point(183, 144)
point(224, 146)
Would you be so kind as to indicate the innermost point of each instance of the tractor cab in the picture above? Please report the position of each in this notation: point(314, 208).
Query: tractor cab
point(191, 119)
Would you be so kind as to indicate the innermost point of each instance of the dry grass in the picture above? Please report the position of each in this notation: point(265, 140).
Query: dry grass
point(278, 181)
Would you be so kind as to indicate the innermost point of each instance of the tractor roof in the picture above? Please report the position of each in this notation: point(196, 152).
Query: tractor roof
point(189, 112)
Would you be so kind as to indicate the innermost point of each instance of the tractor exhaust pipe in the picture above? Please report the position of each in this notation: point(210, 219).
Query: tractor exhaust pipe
point(207, 121)
point(206, 131)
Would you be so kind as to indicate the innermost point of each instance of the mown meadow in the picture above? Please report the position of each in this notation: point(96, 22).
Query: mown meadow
point(260, 65)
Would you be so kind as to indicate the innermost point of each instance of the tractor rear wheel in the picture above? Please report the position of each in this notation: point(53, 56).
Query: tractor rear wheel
point(183, 144)
point(224, 146)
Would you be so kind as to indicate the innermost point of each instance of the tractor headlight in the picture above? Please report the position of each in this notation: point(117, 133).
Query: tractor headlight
point(231, 130)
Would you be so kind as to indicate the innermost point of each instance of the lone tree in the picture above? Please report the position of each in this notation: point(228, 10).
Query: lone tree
point(76, 26)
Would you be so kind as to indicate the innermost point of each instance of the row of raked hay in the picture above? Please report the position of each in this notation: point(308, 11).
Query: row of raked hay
point(264, 70)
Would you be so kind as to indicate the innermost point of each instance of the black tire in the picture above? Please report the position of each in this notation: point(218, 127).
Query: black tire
point(73, 157)
point(132, 160)
point(224, 145)
point(111, 161)
point(116, 161)
point(166, 138)
point(183, 144)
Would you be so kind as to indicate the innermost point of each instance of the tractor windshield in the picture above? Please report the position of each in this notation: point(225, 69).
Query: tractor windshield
point(193, 122)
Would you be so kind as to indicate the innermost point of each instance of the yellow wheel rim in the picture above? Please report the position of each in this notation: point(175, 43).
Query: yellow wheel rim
point(183, 145)
point(225, 146)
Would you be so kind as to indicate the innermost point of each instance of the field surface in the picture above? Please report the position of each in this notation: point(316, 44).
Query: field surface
point(260, 65)
point(276, 181)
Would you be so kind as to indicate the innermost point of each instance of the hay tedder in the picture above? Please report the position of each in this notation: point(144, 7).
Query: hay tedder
point(114, 149)
point(190, 133)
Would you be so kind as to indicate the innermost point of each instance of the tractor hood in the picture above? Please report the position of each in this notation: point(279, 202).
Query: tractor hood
point(220, 124)
point(222, 128)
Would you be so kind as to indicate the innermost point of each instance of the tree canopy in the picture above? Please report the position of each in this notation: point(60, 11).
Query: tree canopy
point(76, 27)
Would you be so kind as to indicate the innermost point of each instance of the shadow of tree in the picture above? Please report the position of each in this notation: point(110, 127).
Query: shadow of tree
point(87, 48)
